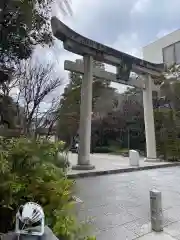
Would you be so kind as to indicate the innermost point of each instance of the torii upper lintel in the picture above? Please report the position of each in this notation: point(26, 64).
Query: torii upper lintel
point(81, 45)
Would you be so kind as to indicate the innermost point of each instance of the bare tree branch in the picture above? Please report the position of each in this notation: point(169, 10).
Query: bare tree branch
point(36, 86)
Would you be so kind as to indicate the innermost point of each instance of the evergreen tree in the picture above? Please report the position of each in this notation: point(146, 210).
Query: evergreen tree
point(69, 111)
point(23, 25)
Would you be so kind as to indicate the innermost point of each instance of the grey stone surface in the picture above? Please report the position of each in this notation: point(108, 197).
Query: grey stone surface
point(83, 167)
point(104, 164)
point(140, 227)
point(117, 233)
point(156, 236)
point(173, 229)
point(119, 205)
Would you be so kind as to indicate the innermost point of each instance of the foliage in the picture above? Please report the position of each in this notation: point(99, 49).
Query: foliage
point(7, 111)
point(167, 117)
point(36, 84)
point(102, 149)
point(125, 119)
point(29, 171)
point(25, 24)
point(118, 150)
point(69, 110)
point(167, 134)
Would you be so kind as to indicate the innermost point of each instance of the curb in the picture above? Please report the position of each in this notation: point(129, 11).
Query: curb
point(121, 170)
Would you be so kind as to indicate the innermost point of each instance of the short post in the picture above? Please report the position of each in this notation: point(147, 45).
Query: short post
point(156, 211)
point(133, 158)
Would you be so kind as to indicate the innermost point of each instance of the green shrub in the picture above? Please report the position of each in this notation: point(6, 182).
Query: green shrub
point(102, 149)
point(29, 171)
point(167, 131)
point(118, 150)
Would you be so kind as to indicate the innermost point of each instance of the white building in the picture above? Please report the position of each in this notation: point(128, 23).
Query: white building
point(165, 49)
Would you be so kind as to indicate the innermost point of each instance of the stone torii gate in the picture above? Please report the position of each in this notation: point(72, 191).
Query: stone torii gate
point(124, 64)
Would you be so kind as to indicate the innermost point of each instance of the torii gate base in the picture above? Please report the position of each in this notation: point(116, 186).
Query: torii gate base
point(85, 118)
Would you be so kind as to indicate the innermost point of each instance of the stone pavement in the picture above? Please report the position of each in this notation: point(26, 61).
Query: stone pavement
point(110, 164)
point(156, 236)
point(117, 205)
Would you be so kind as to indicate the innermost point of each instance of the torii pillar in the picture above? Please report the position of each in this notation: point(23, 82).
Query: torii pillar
point(149, 120)
point(85, 116)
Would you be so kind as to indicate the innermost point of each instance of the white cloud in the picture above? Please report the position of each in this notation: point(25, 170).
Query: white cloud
point(140, 6)
point(128, 43)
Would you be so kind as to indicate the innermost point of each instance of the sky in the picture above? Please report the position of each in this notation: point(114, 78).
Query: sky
point(126, 25)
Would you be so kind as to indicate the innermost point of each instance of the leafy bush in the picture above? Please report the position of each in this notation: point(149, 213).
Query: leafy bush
point(167, 134)
point(102, 149)
point(118, 150)
point(111, 149)
point(29, 171)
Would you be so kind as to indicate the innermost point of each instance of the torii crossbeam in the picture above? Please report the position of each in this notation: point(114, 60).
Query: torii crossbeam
point(133, 81)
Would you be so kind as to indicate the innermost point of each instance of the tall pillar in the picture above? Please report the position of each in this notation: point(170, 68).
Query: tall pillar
point(85, 117)
point(149, 120)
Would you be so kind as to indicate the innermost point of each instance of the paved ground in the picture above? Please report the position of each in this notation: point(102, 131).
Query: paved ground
point(118, 205)
point(106, 164)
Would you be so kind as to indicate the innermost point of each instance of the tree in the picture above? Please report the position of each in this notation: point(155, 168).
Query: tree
point(8, 108)
point(69, 111)
point(7, 112)
point(36, 101)
point(126, 118)
point(167, 115)
point(104, 105)
point(23, 25)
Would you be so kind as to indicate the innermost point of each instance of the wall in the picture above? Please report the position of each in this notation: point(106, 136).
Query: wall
point(153, 51)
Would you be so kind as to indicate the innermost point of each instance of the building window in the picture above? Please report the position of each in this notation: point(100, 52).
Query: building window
point(168, 55)
point(171, 54)
point(177, 53)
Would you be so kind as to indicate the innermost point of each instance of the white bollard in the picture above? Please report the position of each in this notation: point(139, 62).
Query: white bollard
point(133, 158)
point(156, 211)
